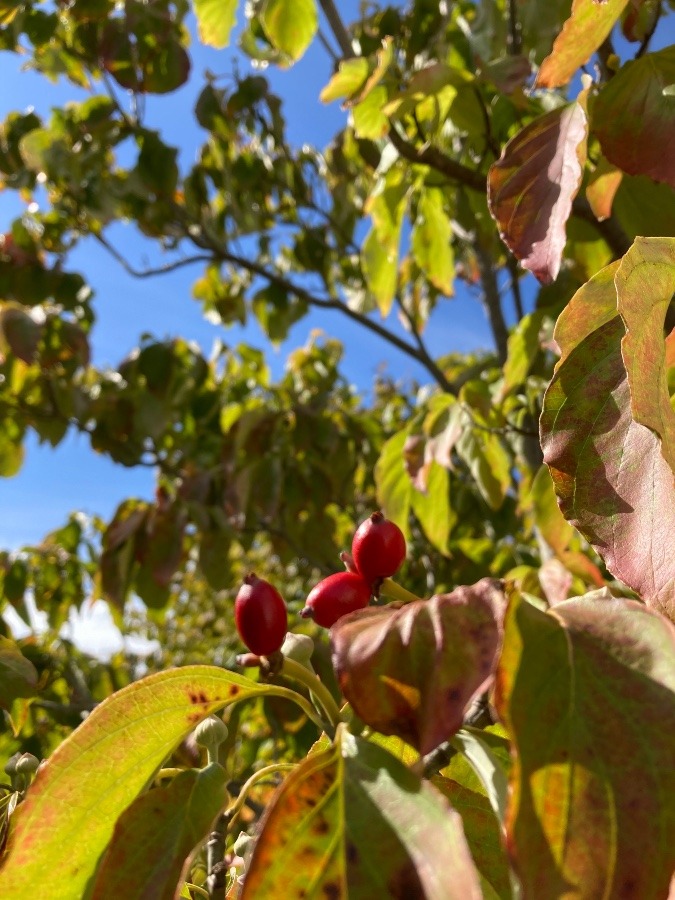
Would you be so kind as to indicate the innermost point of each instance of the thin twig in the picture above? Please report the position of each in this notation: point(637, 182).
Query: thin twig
point(492, 301)
point(151, 272)
point(646, 40)
point(327, 47)
point(512, 265)
point(513, 38)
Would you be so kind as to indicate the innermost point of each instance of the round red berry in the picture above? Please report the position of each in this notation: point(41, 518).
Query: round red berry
point(336, 596)
point(378, 548)
point(260, 616)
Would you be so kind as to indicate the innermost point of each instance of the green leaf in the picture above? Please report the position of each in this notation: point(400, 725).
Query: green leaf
point(488, 756)
point(155, 835)
point(581, 35)
point(349, 78)
point(370, 120)
point(488, 461)
point(215, 21)
point(634, 118)
point(432, 240)
point(11, 448)
point(585, 692)
point(645, 284)
point(290, 25)
point(97, 772)
point(380, 267)
point(522, 348)
point(354, 821)
point(400, 681)
point(393, 485)
point(18, 677)
point(433, 509)
point(547, 516)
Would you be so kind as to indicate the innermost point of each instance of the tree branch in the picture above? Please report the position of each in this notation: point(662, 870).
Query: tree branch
point(432, 157)
point(150, 273)
point(491, 301)
point(337, 27)
point(513, 39)
point(512, 265)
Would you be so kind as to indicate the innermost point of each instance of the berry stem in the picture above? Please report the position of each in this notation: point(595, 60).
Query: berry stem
point(298, 672)
point(395, 592)
point(235, 807)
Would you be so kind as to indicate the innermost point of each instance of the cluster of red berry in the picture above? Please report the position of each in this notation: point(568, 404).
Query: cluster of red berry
point(378, 551)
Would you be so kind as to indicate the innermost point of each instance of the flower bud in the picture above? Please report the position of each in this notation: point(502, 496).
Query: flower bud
point(299, 647)
point(211, 733)
point(27, 764)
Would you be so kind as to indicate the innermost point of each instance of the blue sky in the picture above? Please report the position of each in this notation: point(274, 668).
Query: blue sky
point(54, 482)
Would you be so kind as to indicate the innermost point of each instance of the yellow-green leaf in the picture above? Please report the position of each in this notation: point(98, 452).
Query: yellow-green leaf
point(432, 240)
point(215, 21)
point(290, 25)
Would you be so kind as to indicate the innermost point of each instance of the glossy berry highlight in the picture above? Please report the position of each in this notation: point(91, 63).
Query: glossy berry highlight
point(260, 616)
point(336, 596)
point(378, 548)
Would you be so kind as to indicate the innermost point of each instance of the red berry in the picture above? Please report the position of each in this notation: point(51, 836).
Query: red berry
point(336, 596)
point(260, 616)
point(378, 548)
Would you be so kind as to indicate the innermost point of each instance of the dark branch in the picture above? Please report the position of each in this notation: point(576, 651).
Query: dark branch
point(492, 301)
point(512, 265)
point(159, 270)
point(337, 27)
point(432, 157)
point(513, 39)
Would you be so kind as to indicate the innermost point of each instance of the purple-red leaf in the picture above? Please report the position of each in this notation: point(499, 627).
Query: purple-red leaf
point(611, 478)
point(586, 692)
point(412, 671)
point(581, 35)
point(532, 185)
point(634, 117)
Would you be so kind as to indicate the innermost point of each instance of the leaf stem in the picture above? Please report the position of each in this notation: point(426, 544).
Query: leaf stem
point(234, 808)
point(298, 672)
point(395, 592)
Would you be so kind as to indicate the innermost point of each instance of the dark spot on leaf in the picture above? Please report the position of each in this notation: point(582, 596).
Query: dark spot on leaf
point(193, 718)
point(233, 691)
point(321, 826)
point(193, 697)
point(331, 889)
point(454, 695)
point(352, 852)
point(404, 884)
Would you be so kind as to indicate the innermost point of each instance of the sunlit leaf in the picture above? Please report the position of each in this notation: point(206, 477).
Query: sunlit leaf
point(98, 771)
point(645, 285)
point(581, 35)
point(413, 671)
point(354, 821)
point(349, 78)
point(603, 184)
point(393, 485)
point(290, 25)
point(634, 117)
point(157, 833)
point(523, 346)
point(215, 21)
point(431, 240)
point(370, 120)
point(532, 185)
point(585, 692)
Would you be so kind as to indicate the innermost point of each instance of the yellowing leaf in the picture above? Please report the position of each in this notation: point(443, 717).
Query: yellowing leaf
point(97, 772)
point(353, 821)
point(290, 25)
point(432, 240)
point(350, 76)
point(586, 693)
point(215, 21)
point(581, 35)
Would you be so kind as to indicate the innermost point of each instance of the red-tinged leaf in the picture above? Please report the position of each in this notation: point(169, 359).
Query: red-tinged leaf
point(18, 677)
point(581, 35)
point(155, 836)
point(58, 833)
point(352, 821)
point(412, 671)
point(612, 481)
point(645, 284)
point(602, 187)
point(634, 117)
point(532, 185)
point(586, 692)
